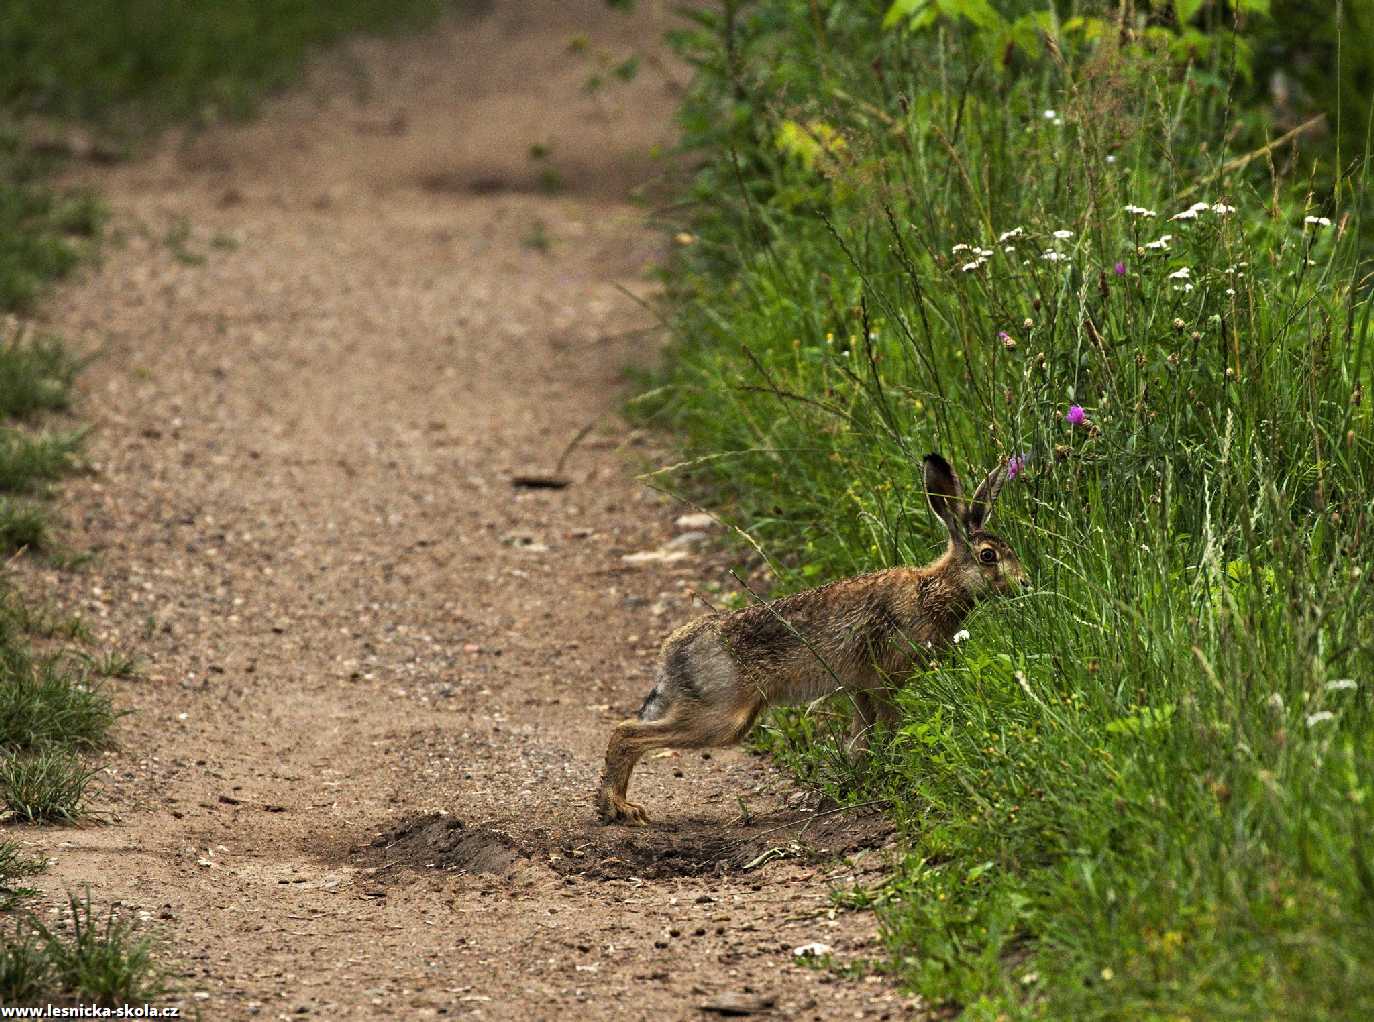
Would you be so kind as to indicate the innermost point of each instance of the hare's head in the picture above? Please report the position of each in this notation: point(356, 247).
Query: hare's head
point(984, 563)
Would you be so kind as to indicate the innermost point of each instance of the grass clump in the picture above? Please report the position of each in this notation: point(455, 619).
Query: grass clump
point(47, 787)
point(44, 233)
point(36, 376)
point(1141, 790)
point(83, 959)
point(15, 867)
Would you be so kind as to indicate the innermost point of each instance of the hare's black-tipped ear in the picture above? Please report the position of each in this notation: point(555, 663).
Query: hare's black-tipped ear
point(945, 494)
point(980, 508)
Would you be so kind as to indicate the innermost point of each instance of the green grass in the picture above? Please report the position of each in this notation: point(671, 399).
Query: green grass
point(1144, 789)
point(44, 233)
point(46, 787)
point(82, 959)
point(36, 375)
point(15, 867)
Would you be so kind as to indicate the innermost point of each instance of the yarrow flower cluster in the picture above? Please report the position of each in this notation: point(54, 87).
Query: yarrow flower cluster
point(982, 256)
point(1316, 221)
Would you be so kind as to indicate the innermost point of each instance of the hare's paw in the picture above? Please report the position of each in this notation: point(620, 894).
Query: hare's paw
point(617, 810)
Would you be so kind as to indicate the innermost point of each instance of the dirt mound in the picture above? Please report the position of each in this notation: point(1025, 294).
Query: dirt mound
point(440, 841)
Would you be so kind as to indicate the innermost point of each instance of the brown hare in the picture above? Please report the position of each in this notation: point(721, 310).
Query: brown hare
point(862, 635)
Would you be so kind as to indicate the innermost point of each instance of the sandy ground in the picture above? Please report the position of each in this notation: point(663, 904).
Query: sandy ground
point(356, 777)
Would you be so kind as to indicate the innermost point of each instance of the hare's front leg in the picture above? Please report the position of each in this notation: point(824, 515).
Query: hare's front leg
point(871, 707)
point(861, 725)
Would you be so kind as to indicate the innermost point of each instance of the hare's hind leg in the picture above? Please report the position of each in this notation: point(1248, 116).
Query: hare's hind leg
point(687, 725)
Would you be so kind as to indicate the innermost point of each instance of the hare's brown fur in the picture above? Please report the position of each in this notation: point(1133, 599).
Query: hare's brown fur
point(862, 635)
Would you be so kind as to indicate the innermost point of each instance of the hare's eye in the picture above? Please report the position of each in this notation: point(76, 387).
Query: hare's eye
point(987, 555)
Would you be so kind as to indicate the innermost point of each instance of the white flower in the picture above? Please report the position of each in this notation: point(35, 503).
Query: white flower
point(1138, 211)
point(1187, 214)
point(1317, 221)
point(1185, 289)
point(961, 635)
point(1230, 292)
point(1340, 684)
point(1111, 159)
point(961, 247)
point(1319, 717)
point(1009, 248)
point(1015, 232)
point(1053, 257)
point(982, 253)
point(1221, 209)
point(1199, 207)
point(970, 267)
point(1181, 274)
point(1063, 235)
point(1162, 242)
point(1275, 701)
point(1049, 115)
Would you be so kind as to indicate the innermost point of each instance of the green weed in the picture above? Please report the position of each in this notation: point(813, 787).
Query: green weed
point(537, 237)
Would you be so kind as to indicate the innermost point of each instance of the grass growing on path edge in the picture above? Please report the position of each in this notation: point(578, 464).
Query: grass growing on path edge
point(1145, 790)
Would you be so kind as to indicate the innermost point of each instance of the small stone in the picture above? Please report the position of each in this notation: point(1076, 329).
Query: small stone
point(661, 556)
point(696, 520)
point(685, 539)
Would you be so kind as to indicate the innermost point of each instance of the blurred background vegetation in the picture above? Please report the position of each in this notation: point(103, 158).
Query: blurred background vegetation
point(193, 59)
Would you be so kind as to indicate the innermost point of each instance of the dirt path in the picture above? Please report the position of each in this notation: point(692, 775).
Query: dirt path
point(357, 779)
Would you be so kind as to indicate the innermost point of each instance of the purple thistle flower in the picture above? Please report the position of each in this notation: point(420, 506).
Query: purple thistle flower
point(1002, 335)
point(1119, 269)
point(1075, 415)
point(1016, 464)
